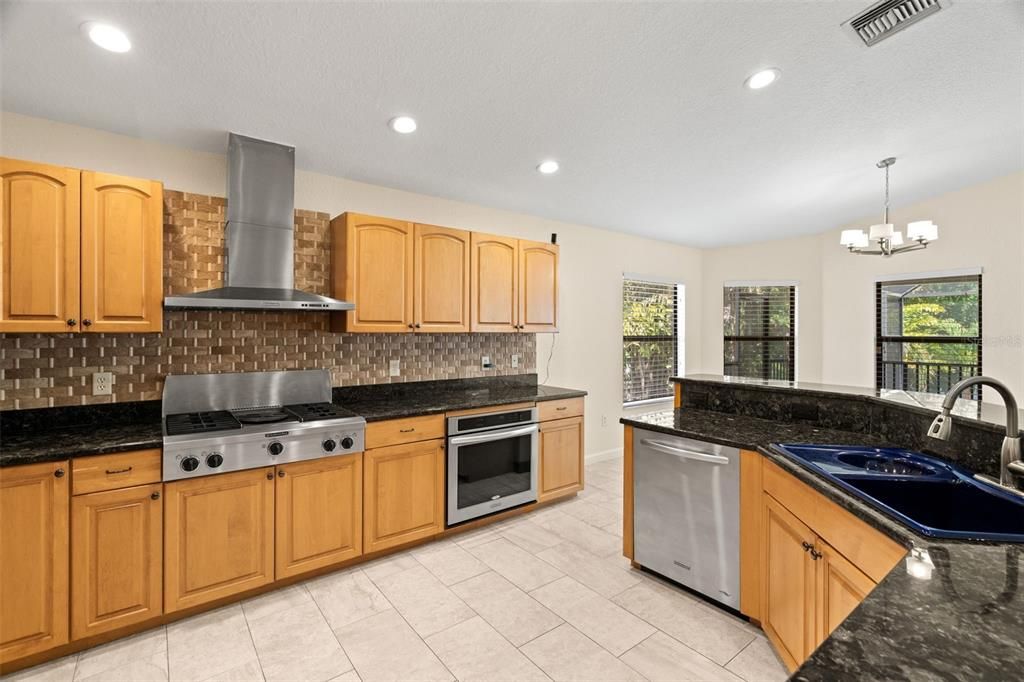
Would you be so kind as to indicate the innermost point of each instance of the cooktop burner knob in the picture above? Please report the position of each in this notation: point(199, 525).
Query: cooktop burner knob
point(329, 445)
point(190, 463)
point(347, 443)
point(275, 448)
point(214, 460)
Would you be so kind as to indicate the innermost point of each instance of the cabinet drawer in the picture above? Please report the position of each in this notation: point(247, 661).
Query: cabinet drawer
point(409, 430)
point(560, 409)
point(121, 470)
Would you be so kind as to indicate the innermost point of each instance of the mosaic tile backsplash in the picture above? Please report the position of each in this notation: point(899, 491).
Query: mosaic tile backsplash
point(47, 370)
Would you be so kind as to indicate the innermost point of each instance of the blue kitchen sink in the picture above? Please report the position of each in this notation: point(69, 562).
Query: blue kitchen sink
point(933, 497)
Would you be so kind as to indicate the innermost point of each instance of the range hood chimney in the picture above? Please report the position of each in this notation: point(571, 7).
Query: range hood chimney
point(259, 239)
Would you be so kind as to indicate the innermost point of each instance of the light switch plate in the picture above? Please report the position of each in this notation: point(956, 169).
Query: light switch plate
point(102, 383)
point(395, 368)
point(485, 362)
point(515, 361)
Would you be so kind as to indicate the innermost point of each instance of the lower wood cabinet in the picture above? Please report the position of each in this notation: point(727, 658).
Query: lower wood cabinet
point(33, 558)
point(117, 551)
point(218, 536)
point(561, 458)
point(403, 494)
point(319, 519)
point(840, 587)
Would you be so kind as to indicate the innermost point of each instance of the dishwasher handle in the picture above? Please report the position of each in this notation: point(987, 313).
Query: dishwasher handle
point(683, 453)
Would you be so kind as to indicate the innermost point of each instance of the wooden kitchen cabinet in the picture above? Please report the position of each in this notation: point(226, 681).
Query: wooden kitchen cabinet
point(116, 559)
point(789, 584)
point(122, 253)
point(403, 494)
point(494, 276)
point(39, 247)
point(33, 558)
point(840, 587)
point(319, 520)
point(373, 268)
point(561, 458)
point(441, 285)
point(218, 536)
point(538, 286)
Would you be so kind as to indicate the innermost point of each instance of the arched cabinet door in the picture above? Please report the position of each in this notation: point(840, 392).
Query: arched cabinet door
point(441, 291)
point(39, 247)
point(122, 254)
point(373, 268)
point(538, 287)
point(494, 277)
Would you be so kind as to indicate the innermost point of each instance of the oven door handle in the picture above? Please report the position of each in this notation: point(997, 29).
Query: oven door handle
point(492, 435)
point(685, 454)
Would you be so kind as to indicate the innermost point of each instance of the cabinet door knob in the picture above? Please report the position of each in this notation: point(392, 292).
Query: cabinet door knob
point(87, 322)
point(411, 325)
point(270, 475)
point(155, 496)
point(418, 325)
point(59, 473)
point(72, 322)
point(280, 474)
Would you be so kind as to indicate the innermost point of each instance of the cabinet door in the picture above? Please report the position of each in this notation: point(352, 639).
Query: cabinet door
point(841, 587)
point(787, 613)
point(39, 247)
point(403, 494)
point(116, 559)
point(122, 254)
point(373, 268)
point(494, 284)
point(538, 287)
point(218, 536)
point(441, 290)
point(33, 558)
point(561, 458)
point(319, 518)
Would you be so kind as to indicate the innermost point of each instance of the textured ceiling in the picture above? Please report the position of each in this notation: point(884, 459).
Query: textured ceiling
point(642, 104)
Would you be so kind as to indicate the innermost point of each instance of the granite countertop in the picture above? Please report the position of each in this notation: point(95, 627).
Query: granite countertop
point(963, 623)
point(51, 434)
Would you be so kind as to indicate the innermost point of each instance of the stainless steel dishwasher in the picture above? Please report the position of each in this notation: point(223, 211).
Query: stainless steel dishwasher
point(686, 512)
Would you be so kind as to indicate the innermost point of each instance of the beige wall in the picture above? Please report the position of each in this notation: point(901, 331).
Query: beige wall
point(979, 226)
point(587, 352)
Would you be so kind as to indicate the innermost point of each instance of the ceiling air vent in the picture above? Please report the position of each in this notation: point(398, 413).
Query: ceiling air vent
point(885, 18)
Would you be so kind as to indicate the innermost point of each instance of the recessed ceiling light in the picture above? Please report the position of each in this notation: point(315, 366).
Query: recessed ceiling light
point(403, 124)
point(762, 79)
point(548, 167)
point(106, 36)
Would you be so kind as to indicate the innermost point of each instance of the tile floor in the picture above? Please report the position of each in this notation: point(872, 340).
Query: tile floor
point(541, 596)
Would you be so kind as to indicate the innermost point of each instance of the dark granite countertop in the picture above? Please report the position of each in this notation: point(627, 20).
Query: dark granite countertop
point(966, 622)
point(51, 434)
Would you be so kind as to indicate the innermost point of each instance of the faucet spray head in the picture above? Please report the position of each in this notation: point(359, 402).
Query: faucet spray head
point(941, 426)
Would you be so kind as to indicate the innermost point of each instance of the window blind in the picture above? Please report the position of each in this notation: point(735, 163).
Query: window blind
point(927, 333)
point(650, 339)
point(759, 323)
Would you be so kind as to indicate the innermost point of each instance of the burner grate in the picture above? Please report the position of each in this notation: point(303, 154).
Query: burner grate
point(200, 422)
point(308, 412)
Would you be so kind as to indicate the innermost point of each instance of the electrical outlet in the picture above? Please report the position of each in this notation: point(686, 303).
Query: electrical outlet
point(102, 383)
point(395, 368)
point(604, 420)
point(485, 362)
point(515, 361)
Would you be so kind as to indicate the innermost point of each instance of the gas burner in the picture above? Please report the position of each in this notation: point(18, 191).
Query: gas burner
point(309, 412)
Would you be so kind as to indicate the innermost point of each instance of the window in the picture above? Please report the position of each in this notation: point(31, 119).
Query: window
point(650, 338)
point(760, 331)
point(928, 333)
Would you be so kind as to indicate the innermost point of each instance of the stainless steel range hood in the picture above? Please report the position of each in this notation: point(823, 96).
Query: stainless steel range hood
point(259, 240)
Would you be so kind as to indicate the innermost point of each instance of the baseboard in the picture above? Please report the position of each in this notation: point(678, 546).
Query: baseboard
point(614, 453)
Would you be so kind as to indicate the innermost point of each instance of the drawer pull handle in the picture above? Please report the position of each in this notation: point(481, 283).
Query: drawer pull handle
point(111, 472)
point(407, 430)
point(561, 409)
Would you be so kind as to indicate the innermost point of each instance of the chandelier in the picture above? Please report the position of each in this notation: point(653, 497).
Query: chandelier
point(885, 239)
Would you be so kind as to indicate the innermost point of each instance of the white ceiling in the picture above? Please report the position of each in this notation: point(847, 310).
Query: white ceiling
point(641, 103)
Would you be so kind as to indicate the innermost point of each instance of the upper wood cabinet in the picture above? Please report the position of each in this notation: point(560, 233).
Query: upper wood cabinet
point(441, 271)
point(373, 268)
point(319, 520)
point(33, 558)
point(403, 494)
point(122, 247)
point(218, 536)
point(79, 251)
point(116, 559)
point(494, 273)
point(538, 287)
point(39, 247)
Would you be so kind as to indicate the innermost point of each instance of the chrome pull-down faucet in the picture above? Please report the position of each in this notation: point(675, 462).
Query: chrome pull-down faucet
point(1011, 466)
